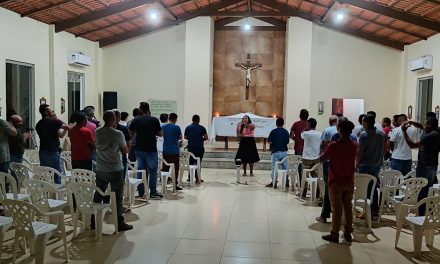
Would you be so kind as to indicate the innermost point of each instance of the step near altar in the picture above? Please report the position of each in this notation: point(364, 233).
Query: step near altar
point(225, 160)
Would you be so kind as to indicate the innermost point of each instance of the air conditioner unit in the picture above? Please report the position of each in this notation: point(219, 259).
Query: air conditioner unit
point(79, 59)
point(423, 63)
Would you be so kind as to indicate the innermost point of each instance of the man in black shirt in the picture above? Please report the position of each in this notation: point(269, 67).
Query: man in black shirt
point(147, 128)
point(17, 144)
point(49, 130)
point(429, 148)
point(127, 137)
point(196, 135)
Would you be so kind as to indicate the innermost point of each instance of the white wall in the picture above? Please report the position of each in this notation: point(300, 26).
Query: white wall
point(409, 79)
point(29, 41)
point(344, 66)
point(149, 67)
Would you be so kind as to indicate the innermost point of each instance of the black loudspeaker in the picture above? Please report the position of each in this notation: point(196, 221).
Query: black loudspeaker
point(110, 100)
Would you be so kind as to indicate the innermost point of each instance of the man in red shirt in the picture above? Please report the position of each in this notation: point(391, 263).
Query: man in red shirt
point(342, 156)
point(83, 143)
point(297, 128)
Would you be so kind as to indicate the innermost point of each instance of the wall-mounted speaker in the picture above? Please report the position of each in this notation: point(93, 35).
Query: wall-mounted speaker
point(110, 100)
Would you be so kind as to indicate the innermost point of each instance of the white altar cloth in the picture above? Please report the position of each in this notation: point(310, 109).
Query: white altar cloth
point(226, 126)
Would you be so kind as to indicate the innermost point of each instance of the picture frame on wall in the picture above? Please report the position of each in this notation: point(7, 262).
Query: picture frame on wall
point(320, 107)
point(410, 112)
point(63, 105)
point(43, 101)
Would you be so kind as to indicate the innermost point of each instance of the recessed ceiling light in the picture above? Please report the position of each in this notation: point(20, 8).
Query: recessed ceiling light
point(153, 15)
point(339, 17)
point(247, 27)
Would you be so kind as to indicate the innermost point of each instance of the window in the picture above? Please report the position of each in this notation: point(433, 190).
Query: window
point(75, 90)
point(20, 91)
point(424, 98)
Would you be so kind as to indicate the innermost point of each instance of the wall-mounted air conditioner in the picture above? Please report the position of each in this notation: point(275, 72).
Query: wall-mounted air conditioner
point(423, 63)
point(79, 59)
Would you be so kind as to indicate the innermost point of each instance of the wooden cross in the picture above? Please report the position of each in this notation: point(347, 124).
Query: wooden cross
point(248, 66)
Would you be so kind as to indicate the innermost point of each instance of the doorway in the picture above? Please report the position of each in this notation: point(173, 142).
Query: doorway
point(75, 91)
point(424, 98)
point(20, 91)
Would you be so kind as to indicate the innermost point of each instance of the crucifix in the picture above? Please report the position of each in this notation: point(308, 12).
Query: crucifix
point(248, 66)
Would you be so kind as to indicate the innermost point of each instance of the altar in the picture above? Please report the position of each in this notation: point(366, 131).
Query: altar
point(226, 126)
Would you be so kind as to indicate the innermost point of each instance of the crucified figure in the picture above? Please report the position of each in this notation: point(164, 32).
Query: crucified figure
point(248, 72)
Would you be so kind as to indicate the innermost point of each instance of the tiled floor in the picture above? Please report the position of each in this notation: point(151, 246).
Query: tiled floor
point(222, 223)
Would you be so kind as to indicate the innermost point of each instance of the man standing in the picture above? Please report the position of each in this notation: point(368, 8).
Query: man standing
point(147, 128)
point(386, 127)
point(278, 140)
point(50, 129)
point(370, 155)
point(6, 130)
point(342, 155)
point(429, 147)
point(131, 151)
point(196, 135)
point(82, 143)
point(401, 158)
point(297, 128)
point(312, 146)
point(326, 138)
point(17, 143)
point(110, 143)
point(163, 121)
point(127, 137)
point(90, 112)
point(171, 136)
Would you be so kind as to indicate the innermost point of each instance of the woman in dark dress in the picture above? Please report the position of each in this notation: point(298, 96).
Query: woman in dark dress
point(247, 150)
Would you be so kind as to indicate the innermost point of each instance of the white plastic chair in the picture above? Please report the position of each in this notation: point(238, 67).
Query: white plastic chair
point(293, 162)
point(312, 181)
point(387, 178)
point(47, 174)
point(361, 199)
point(22, 173)
point(40, 191)
point(32, 158)
point(84, 193)
point(386, 165)
point(66, 158)
point(36, 234)
point(184, 165)
point(423, 225)
point(411, 174)
point(133, 182)
point(14, 195)
point(83, 176)
point(164, 175)
point(5, 224)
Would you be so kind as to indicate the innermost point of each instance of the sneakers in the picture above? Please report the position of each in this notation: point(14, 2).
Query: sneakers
point(331, 238)
point(321, 219)
point(178, 188)
point(270, 185)
point(156, 196)
point(348, 238)
point(124, 227)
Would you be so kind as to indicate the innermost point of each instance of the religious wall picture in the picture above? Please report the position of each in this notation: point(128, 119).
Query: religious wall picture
point(63, 105)
point(437, 111)
point(43, 101)
point(337, 106)
point(410, 112)
point(320, 107)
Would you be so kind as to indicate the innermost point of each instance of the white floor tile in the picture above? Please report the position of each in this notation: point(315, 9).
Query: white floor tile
point(247, 249)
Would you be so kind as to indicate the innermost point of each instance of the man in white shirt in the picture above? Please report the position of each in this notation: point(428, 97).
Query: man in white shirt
point(401, 158)
point(312, 146)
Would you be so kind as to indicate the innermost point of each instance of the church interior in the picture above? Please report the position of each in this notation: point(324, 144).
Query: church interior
point(222, 60)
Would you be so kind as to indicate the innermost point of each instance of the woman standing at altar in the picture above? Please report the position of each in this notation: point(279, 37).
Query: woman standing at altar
point(247, 150)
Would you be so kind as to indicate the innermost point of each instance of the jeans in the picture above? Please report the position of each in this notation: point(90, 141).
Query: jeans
point(17, 158)
point(404, 166)
point(172, 159)
point(51, 159)
point(340, 197)
point(326, 206)
point(278, 156)
point(147, 161)
point(4, 167)
point(374, 171)
point(117, 186)
point(429, 173)
point(198, 152)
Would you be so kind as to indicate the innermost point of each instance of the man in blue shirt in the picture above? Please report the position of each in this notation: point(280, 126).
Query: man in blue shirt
point(278, 140)
point(196, 135)
point(171, 137)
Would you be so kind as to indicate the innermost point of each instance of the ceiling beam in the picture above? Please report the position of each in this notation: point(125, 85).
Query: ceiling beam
point(102, 13)
point(355, 32)
point(164, 9)
point(254, 28)
point(227, 20)
point(393, 13)
point(272, 13)
point(4, 1)
point(273, 21)
point(129, 20)
point(45, 8)
point(329, 11)
point(167, 23)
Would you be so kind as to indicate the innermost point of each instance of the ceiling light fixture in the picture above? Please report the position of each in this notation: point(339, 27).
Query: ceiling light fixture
point(247, 27)
point(153, 15)
point(340, 17)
